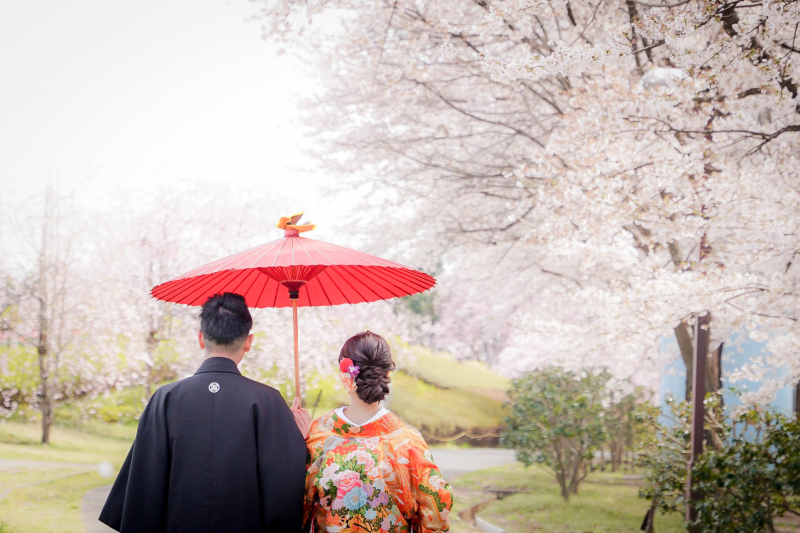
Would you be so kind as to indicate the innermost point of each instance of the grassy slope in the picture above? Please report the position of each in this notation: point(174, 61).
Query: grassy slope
point(440, 395)
point(442, 370)
point(442, 410)
point(603, 504)
point(433, 392)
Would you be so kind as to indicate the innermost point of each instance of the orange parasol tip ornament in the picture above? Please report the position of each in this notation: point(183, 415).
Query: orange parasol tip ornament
point(290, 225)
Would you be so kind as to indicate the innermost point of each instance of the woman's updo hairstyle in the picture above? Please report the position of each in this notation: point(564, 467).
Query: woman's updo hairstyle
point(371, 354)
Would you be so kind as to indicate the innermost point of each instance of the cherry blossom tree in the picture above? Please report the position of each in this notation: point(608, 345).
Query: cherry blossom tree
point(77, 318)
point(165, 233)
point(44, 309)
point(623, 166)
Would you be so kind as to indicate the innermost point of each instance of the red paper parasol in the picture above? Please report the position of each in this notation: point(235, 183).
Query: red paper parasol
point(298, 272)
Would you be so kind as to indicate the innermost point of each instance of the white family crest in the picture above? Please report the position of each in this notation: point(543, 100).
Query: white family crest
point(214, 387)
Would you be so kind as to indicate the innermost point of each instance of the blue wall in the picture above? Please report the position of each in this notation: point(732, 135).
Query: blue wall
point(736, 351)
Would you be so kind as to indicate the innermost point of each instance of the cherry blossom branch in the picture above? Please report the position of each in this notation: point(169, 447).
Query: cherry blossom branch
point(790, 48)
point(650, 47)
point(667, 6)
point(480, 119)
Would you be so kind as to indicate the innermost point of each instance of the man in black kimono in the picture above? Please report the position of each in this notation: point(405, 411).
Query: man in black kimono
point(215, 452)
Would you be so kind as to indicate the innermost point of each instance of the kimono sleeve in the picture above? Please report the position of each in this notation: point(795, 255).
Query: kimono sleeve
point(137, 501)
point(433, 496)
point(281, 466)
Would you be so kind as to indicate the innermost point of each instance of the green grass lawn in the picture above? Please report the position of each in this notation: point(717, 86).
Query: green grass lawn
point(431, 392)
point(50, 505)
point(42, 499)
point(22, 441)
point(605, 503)
point(53, 507)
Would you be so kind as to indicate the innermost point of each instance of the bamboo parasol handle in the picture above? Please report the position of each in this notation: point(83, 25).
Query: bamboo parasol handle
point(296, 351)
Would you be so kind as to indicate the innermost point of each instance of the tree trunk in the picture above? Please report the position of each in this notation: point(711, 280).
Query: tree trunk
point(633, 15)
point(562, 483)
point(50, 401)
point(575, 478)
point(770, 525)
point(713, 365)
point(560, 469)
point(45, 403)
point(616, 452)
point(796, 399)
point(613, 450)
point(684, 337)
point(714, 370)
point(649, 525)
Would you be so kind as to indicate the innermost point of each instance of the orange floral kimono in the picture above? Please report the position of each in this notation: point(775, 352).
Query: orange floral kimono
point(379, 477)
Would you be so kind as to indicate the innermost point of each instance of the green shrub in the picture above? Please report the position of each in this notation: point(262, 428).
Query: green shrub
point(556, 421)
point(748, 474)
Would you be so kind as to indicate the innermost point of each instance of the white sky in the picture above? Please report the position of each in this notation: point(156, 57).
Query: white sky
point(104, 95)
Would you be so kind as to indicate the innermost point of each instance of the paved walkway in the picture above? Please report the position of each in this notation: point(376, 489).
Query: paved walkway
point(460, 461)
point(93, 502)
point(452, 462)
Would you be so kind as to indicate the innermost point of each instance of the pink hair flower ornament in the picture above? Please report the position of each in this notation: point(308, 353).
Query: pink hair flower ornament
point(347, 374)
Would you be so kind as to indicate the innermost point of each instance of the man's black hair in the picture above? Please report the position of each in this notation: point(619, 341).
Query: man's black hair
point(225, 319)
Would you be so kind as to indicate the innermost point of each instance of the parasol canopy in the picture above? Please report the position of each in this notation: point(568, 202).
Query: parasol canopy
point(296, 271)
point(323, 273)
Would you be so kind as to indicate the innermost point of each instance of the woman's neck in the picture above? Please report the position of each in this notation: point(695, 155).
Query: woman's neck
point(359, 412)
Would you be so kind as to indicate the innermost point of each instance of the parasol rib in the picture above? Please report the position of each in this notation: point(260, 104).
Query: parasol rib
point(220, 263)
point(382, 278)
point(265, 292)
point(322, 288)
point(249, 273)
point(335, 284)
point(270, 246)
point(341, 272)
point(203, 294)
point(279, 251)
point(261, 292)
point(311, 243)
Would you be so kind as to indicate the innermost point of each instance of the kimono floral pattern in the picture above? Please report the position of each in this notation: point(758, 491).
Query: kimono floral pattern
point(377, 478)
